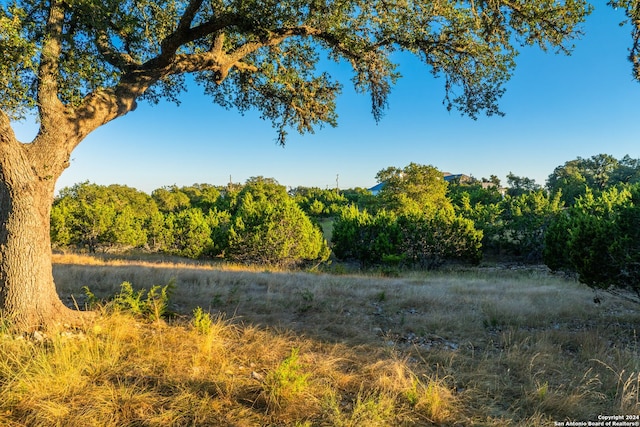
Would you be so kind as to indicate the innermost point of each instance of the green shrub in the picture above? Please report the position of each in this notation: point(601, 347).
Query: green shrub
point(602, 240)
point(523, 223)
point(201, 321)
point(415, 238)
point(152, 305)
point(269, 228)
point(429, 242)
point(286, 383)
point(191, 233)
point(366, 238)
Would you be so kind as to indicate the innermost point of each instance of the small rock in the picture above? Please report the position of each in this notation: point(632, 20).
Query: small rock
point(452, 345)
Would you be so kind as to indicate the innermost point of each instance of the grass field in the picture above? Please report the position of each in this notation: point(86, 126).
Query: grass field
point(483, 347)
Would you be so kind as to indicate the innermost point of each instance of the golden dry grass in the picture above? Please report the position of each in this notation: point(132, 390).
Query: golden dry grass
point(482, 347)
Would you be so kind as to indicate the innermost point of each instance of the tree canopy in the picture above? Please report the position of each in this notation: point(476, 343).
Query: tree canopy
point(597, 173)
point(262, 54)
point(413, 188)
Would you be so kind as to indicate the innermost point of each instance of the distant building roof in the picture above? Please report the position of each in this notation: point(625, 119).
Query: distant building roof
point(376, 188)
point(460, 177)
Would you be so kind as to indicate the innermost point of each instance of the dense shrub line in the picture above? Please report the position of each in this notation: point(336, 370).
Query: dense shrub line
point(257, 222)
point(585, 221)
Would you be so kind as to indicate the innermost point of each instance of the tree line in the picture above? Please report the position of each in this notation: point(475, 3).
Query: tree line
point(257, 222)
point(584, 221)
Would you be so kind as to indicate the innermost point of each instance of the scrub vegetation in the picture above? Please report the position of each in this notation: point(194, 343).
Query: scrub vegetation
point(583, 223)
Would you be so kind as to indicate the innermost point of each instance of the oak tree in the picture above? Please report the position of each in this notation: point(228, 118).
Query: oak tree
point(101, 218)
point(79, 64)
point(413, 188)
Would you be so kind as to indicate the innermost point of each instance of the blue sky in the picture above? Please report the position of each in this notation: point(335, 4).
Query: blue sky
point(557, 108)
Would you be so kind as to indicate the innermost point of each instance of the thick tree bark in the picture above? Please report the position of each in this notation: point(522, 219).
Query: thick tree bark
point(28, 296)
point(28, 172)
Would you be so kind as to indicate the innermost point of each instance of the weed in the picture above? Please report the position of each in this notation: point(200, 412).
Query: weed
point(369, 409)
point(128, 300)
point(307, 301)
point(216, 300)
point(287, 382)
point(92, 300)
point(152, 305)
point(201, 321)
point(157, 302)
point(307, 295)
point(542, 390)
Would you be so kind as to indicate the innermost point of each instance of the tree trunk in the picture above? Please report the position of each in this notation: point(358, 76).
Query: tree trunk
point(28, 296)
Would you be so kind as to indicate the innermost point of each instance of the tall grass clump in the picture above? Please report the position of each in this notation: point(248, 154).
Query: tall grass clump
point(432, 396)
point(373, 409)
point(624, 389)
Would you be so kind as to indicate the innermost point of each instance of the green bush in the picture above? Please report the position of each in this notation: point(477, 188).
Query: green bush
point(430, 241)
point(99, 217)
point(269, 228)
point(152, 305)
point(365, 238)
point(416, 238)
point(601, 240)
point(555, 252)
point(190, 233)
point(523, 222)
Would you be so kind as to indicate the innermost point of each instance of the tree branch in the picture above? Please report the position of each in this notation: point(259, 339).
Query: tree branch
point(634, 52)
point(218, 61)
point(49, 104)
point(279, 35)
point(7, 135)
point(103, 106)
point(185, 34)
point(120, 60)
point(559, 32)
point(172, 42)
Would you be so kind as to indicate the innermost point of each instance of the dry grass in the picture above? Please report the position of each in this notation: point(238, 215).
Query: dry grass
point(483, 347)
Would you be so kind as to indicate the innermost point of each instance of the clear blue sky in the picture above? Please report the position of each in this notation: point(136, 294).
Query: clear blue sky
point(557, 108)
